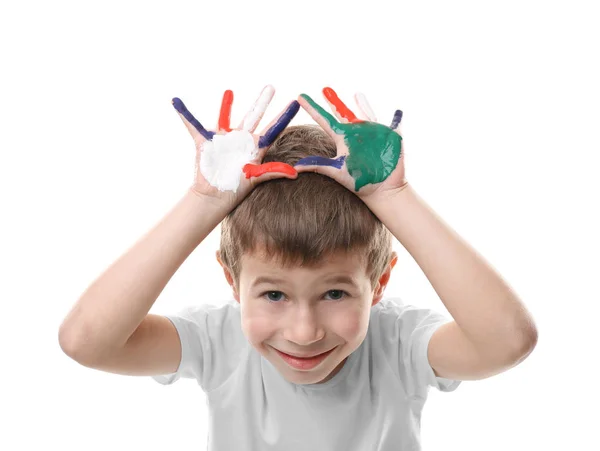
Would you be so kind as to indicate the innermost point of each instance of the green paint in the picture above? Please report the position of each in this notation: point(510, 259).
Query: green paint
point(333, 123)
point(374, 152)
point(374, 149)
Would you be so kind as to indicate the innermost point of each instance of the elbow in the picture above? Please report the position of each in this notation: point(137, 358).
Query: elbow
point(526, 342)
point(67, 342)
point(79, 346)
point(70, 341)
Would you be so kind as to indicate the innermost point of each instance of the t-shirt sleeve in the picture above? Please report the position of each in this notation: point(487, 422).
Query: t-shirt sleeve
point(211, 340)
point(420, 343)
point(409, 330)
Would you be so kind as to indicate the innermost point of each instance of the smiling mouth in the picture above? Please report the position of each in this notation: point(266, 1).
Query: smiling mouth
point(308, 356)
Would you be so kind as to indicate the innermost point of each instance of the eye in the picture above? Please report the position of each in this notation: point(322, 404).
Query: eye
point(274, 296)
point(272, 292)
point(339, 294)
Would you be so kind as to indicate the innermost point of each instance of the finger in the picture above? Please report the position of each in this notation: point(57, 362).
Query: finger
point(364, 107)
point(279, 125)
point(396, 120)
point(194, 127)
point(225, 115)
point(276, 168)
point(253, 117)
point(316, 160)
point(321, 165)
point(321, 117)
point(340, 109)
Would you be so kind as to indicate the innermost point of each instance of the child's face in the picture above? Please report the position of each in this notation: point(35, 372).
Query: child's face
point(305, 312)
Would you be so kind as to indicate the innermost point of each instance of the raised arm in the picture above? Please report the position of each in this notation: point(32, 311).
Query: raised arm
point(103, 327)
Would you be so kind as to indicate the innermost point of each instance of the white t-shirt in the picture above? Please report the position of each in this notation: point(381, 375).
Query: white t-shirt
point(373, 403)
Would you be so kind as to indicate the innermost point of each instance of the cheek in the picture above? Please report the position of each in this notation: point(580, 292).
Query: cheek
point(351, 323)
point(256, 326)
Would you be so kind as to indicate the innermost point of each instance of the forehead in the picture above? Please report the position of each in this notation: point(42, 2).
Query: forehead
point(351, 263)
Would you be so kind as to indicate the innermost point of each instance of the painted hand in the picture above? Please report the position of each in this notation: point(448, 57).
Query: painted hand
point(369, 155)
point(228, 161)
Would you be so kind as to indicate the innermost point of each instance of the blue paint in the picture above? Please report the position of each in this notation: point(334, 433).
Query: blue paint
point(180, 107)
point(268, 138)
point(396, 120)
point(322, 161)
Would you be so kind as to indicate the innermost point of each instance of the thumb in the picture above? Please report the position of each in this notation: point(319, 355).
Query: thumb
point(269, 171)
point(321, 165)
point(195, 128)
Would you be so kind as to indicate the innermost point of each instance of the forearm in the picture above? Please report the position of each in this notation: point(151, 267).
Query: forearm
point(480, 301)
point(114, 305)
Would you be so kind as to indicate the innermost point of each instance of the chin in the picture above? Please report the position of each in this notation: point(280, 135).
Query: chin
point(306, 378)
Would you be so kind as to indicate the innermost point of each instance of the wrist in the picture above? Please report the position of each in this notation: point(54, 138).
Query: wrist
point(221, 202)
point(388, 196)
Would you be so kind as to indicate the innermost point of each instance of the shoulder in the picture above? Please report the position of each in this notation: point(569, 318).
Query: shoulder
point(399, 326)
point(221, 311)
point(217, 324)
point(404, 332)
point(395, 311)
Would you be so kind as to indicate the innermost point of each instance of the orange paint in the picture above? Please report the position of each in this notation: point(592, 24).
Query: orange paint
point(341, 108)
point(225, 116)
point(256, 170)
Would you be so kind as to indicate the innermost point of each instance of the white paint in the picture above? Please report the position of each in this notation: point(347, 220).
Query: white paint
point(223, 158)
point(258, 109)
point(364, 106)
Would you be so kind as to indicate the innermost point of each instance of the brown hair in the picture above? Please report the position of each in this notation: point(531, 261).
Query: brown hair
point(302, 221)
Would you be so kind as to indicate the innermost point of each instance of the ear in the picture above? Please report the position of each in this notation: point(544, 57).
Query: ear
point(228, 276)
point(384, 279)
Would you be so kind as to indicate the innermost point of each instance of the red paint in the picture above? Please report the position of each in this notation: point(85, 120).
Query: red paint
point(225, 116)
point(256, 170)
point(341, 108)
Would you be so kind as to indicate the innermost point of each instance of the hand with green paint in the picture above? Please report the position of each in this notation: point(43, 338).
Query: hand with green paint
point(369, 155)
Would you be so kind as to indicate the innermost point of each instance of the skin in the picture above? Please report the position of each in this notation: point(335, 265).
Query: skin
point(491, 331)
point(254, 172)
point(374, 149)
point(306, 315)
point(369, 155)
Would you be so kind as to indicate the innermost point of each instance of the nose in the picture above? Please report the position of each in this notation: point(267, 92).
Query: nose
point(304, 327)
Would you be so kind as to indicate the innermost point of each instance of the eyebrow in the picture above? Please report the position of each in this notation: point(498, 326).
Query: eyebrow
point(332, 279)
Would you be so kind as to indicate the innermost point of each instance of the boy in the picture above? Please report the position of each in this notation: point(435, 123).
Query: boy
point(288, 365)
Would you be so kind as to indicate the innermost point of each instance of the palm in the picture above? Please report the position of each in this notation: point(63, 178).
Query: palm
point(369, 154)
point(245, 150)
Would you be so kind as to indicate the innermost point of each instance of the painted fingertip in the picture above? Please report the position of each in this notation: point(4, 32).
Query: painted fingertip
point(364, 105)
point(340, 107)
point(258, 109)
point(225, 114)
point(285, 119)
point(328, 92)
point(178, 105)
point(332, 97)
point(181, 109)
point(294, 108)
point(322, 117)
point(396, 120)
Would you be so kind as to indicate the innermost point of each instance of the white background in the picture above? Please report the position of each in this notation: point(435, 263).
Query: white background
point(501, 112)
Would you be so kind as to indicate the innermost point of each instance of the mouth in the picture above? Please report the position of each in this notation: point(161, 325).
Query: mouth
point(307, 356)
point(308, 362)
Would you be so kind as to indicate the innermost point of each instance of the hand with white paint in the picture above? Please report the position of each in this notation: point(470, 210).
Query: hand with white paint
point(228, 161)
